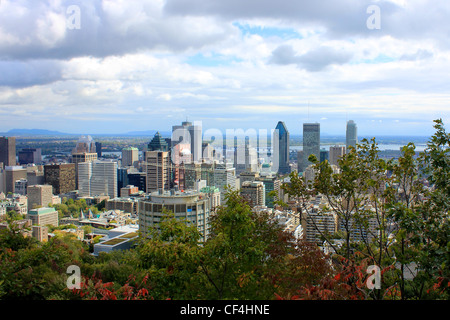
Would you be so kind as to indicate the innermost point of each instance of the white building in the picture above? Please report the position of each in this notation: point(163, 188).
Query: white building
point(97, 178)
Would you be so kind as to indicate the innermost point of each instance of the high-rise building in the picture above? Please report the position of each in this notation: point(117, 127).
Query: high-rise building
point(282, 153)
point(158, 143)
point(8, 151)
point(271, 183)
point(97, 178)
point(254, 193)
point(82, 157)
point(311, 142)
point(157, 170)
point(336, 152)
point(351, 136)
point(191, 134)
point(130, 156)
point(85, 144)
point(98, 149)
point(138, 179)
point(224, 175)
point(191, 205)
point(13, 174)
point(39, 195)
point(30, 155)
point(61, 176)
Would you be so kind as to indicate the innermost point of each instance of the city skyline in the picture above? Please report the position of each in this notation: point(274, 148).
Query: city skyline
point(103, 67)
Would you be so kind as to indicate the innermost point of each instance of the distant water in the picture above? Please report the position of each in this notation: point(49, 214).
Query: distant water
point(382, 147)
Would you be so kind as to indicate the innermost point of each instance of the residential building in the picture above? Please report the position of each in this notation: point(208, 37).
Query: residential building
point(191, 205)
point(254, 193)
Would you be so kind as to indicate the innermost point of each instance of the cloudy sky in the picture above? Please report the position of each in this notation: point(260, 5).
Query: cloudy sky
point(104, 66)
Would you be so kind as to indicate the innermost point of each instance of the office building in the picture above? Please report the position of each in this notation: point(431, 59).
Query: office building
point(98, 149)
point(128, 190)
point(324, 155)
point(281, 140)
point(13, 174)
point(336, 152)
point(39, 195)
point(191, 134)
point(130, 156)
point(20, 187)
point(158, 143)
point(85, 144)
point(8, 151)
point(43, 216)
point(311, 142)
point(82, 157)
point(157, 170)
point(224, 175)
point(271, 183)
point(351, 136)
point(138, 179)
point(30, 155)
point(97, 178)
point(40, 233)
point(61, 176)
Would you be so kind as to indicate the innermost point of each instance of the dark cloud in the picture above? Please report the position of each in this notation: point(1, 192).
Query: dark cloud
point(39, 30)
point(21, 74)
point(314, 60)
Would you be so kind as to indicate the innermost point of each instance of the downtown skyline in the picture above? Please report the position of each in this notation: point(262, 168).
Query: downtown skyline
point(147, 65)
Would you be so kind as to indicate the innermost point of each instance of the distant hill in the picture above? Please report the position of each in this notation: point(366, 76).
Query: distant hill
point(148, 133)
point(34, 132)
point(44, 132)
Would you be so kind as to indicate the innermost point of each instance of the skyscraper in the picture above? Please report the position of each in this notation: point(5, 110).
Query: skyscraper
point(351, 137)
point(191, 134)
point(8, 151)
point(311, 142)
point(61, 176)
point(158, 170)
point(97, 178)
point(282, 152)
point(30, 155)
point(130, 156)
point(158, 143)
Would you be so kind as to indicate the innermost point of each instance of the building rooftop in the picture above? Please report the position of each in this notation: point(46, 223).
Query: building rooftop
point(42, 211)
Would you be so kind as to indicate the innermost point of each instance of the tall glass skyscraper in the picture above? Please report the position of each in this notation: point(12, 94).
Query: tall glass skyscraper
point(282, 152)
point(351, 137)
point(311, 142)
